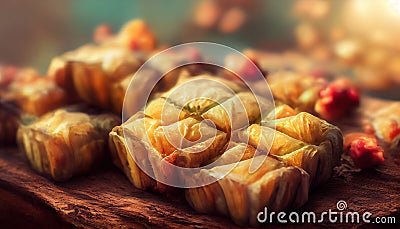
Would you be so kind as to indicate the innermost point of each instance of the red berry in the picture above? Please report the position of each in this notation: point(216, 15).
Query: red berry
point(337, 99)
point(364, 150)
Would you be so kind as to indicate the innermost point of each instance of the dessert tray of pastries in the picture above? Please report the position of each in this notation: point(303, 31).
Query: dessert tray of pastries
point(64, 132)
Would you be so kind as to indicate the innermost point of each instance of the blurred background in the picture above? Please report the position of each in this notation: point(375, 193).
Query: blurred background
point(34, 31)
point(362, 36)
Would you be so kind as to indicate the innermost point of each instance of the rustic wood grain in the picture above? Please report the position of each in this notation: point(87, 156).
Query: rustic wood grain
point(106, 199)
point(102, 199)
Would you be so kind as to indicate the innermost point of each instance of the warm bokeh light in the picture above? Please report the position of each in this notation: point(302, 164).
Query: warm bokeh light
point(394, 7)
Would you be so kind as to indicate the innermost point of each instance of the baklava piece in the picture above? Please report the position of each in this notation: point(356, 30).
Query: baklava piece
point(64, 143)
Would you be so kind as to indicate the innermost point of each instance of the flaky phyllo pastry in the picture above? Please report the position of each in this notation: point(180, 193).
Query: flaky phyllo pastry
point(226, 132)
point(93, 72)
point(65, 143)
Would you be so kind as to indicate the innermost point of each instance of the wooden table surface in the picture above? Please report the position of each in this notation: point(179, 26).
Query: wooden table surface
point(105, 198)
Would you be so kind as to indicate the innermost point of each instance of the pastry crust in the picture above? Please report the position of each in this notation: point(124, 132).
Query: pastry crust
point(302, 150)
point(165, 111)
point(241, 195)
point(154, 143)
point(296, 90)
point(63, 144)
point(34, 94)
point(91, 70)
point(204, 94)
point(321, 151)
point(237, 112)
